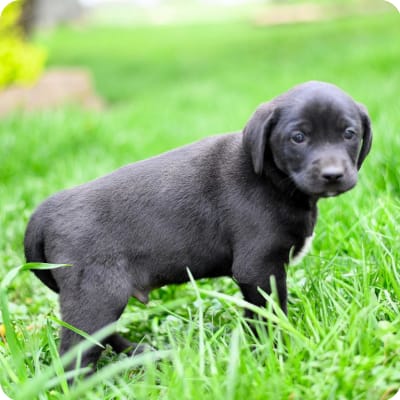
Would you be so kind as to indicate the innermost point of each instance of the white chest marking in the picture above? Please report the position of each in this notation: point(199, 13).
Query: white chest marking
point(303, 251)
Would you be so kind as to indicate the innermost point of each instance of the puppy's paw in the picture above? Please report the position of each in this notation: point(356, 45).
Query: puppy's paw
point(136, 349)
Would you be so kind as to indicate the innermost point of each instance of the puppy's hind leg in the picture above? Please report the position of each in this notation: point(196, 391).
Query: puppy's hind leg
point(91, 306)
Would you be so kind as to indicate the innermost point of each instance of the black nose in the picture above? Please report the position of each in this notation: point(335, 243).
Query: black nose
point(332, 174)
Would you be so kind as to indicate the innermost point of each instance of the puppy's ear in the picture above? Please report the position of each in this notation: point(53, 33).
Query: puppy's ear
point(256, 134)
point(367, 135)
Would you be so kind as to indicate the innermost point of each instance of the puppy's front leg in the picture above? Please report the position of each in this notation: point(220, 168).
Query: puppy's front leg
point(261, 278)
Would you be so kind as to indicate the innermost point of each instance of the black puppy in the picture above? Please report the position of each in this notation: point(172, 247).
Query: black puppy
point(231, 205)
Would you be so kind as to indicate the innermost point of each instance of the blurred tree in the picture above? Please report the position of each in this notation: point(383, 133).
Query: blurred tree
point(20, 61)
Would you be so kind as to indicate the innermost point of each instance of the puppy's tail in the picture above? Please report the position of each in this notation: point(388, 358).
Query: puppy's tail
point(34, 251)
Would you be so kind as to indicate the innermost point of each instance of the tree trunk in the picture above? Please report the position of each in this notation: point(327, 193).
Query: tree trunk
point(26, 20)
point(47, 13)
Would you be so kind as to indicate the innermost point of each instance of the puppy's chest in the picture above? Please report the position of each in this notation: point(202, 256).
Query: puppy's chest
point(297, 253)
point(304, 235)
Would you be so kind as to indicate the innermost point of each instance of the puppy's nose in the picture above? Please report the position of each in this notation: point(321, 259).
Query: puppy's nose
point(332, 173)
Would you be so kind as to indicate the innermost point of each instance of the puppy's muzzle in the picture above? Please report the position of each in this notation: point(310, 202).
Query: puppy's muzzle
point(327, 175)
point(332, 177)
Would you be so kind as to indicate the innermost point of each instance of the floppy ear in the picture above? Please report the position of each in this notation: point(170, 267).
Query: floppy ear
point(367, 135)
point(256, 134)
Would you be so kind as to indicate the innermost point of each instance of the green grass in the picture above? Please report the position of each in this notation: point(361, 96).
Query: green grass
point(168, 86)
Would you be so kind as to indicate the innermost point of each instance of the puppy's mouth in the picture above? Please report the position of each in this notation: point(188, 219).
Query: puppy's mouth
point(330, 194)
point(336, 190)
point(325, 193)
point(320, 189)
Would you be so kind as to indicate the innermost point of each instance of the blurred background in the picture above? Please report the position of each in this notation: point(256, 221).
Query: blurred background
point(133, 47)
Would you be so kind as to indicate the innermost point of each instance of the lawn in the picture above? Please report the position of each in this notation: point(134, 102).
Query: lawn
point(167, 86)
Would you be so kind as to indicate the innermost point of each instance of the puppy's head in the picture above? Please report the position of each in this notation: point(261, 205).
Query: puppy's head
point(315, 134)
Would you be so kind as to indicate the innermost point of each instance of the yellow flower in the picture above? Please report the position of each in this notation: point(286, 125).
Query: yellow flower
point(2, 331)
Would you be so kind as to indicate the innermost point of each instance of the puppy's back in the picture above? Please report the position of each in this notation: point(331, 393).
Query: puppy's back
point(102, 217)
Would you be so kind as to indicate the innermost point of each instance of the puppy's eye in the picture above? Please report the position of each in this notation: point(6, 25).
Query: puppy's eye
point(298, 137)
point(349, 134)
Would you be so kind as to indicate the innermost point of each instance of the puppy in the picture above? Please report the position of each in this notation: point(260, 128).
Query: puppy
point(234, 205)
